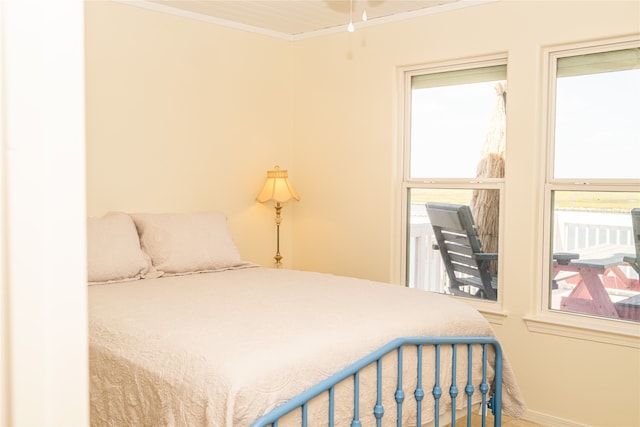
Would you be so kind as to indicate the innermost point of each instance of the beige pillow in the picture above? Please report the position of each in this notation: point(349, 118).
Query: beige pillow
point(113, 250)
point(183, 243)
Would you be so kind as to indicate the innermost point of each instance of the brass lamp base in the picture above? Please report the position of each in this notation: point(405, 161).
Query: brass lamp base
point(278, 257)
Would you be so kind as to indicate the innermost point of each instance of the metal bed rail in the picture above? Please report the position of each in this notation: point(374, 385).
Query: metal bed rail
point(492, 402)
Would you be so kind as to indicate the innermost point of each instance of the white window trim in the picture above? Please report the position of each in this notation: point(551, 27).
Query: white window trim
point(556, 322)
point(492, 310)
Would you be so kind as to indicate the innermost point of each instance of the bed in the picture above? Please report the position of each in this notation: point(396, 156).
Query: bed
point(184, 333)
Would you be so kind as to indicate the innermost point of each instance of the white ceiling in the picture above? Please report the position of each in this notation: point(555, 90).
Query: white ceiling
point(293, 19)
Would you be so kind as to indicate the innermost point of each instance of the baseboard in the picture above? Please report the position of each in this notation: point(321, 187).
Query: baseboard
point(549, 420)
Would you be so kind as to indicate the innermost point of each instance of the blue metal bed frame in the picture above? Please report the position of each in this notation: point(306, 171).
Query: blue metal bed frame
point(493, 402)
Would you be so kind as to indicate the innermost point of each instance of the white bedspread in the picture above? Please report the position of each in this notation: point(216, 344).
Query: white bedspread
point(221, 349)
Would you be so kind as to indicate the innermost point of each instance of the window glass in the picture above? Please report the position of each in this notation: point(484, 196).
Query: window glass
point(425, 267)
point(456, 156)
point(597, 110)
point(453, 125)
point(595, 223)
point(595, 270)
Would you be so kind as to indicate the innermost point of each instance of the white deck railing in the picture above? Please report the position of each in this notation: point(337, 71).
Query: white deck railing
point(590, 234)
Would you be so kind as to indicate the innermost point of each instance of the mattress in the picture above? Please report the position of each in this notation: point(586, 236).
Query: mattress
point(223, 348)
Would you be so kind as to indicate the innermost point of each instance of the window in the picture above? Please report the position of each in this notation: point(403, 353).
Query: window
point(454, 153)
point(592, 187)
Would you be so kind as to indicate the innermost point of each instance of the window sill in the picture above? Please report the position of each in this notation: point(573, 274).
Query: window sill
point(491, 310)
point(623, 333)
point(494, 317)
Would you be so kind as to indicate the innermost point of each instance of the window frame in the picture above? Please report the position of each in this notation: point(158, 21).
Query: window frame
point(557, 322)
point(493, 310)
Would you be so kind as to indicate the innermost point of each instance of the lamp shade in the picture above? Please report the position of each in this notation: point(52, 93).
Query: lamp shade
point(277, 187)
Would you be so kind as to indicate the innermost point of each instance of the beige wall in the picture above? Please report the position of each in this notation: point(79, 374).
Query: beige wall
point(346, 133)
point(183, 115)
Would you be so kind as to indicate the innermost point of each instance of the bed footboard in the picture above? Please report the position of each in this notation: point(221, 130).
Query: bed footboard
point(434, 383)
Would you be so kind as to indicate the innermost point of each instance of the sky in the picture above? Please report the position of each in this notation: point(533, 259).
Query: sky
point(448, 128)
point(597, 130)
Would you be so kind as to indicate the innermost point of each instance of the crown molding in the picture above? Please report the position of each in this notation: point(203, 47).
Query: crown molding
point(310, 34)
